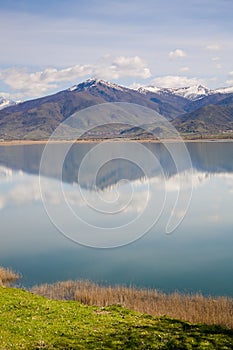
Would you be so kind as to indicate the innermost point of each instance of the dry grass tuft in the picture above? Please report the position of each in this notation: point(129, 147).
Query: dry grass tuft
point(193, 308)
point(8, 276)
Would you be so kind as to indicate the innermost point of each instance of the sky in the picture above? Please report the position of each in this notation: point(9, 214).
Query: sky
point(48, 46)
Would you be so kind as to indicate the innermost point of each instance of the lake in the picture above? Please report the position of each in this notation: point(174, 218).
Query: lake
point(105, 217)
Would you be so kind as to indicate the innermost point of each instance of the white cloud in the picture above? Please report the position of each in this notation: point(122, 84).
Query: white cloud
point(38, 83)
point(131, 66)
point(178, 53)
point(229, 82)
point(215, 59)
point(213, 47)
point(175, 81)
point(184, 69)
point(218, 66)
point(122, 66)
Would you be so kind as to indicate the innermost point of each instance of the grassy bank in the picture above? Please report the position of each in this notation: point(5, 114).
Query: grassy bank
point(192, 308)
point(30, 321)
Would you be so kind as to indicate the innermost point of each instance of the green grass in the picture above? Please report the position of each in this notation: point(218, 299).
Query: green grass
point(29, 321)
point(194, 308)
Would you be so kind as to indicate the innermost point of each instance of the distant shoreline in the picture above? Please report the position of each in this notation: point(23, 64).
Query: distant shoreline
point(44, 142)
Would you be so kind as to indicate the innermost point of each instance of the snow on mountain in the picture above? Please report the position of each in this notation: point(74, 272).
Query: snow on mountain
point(144, 90)
point(73, 88)
point(225, 90)
point(4, 102)
point(95, 83)
point(192, 93)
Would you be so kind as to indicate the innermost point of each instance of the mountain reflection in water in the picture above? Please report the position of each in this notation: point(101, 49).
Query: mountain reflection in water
point(196, 257)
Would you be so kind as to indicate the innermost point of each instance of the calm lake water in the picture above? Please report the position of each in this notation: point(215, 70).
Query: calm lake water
point(196, 257)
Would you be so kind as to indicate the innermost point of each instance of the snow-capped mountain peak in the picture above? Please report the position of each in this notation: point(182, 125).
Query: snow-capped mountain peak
point(90, 83)
point(192, 93)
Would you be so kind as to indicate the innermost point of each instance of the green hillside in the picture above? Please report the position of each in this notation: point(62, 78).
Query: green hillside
point(29, 321)
point(209, 119)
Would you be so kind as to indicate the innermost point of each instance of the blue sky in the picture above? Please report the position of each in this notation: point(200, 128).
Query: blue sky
point(50, 45)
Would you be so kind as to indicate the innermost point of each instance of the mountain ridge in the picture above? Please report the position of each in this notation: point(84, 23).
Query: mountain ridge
point(192, 92)
point(185, 107)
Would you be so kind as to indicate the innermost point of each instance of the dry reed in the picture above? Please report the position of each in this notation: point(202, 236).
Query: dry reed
point(8, 276)
point(193, 308)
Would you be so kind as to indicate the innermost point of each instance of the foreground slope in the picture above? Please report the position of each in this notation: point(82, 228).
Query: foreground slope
point(30, 321)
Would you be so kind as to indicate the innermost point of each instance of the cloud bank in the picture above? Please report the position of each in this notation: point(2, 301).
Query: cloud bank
point(37, 83)
point(175, 81)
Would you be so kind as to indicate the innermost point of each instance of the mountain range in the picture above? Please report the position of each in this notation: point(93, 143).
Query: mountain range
point(193, 93)
point(194, 111)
